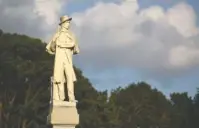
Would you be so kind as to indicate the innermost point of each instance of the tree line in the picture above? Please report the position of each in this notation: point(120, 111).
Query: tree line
point(25, 71)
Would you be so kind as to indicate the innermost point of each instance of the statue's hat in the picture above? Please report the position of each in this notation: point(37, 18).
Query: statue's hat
point(64, 19)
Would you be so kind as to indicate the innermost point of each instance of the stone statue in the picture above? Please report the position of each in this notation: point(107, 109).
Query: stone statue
point(63, 45)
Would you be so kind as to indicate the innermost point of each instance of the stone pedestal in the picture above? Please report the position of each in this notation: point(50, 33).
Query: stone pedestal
point(63, 115)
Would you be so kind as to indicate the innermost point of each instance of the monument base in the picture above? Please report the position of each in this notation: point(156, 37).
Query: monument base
point(63, 115)
point(63, 126)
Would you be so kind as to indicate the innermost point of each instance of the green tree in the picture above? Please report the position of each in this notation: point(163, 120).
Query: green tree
point(195, 117)
point(140, 106)
point(182, 110)
point(1, 32)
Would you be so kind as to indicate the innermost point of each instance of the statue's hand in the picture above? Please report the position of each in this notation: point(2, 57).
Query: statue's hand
point(50, 52)
point(53, 46)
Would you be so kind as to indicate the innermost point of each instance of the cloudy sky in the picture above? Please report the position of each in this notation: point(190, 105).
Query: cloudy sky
point(121, 41)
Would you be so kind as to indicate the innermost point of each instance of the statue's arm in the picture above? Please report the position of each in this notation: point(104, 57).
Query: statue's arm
point(51, 46)
point(48, 49)
point(76, 47)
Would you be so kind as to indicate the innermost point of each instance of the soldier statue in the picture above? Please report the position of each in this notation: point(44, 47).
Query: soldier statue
point(63, 45)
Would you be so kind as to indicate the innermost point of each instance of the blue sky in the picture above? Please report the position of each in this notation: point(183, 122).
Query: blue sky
point(76, 6)
point(112, 77)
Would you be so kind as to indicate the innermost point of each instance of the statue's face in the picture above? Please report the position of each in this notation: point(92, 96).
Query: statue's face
point(66, 24)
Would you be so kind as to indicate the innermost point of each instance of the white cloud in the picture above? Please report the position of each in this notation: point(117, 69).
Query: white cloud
point(36, 18)
point(151, 39)
point(154, 13)
point(50, 10)
point(182, 56)
point(183, 18)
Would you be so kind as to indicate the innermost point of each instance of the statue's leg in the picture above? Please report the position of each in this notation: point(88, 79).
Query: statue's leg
point(61, 91)
point(70, 84)
point(55, 92)
point(70, 87)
